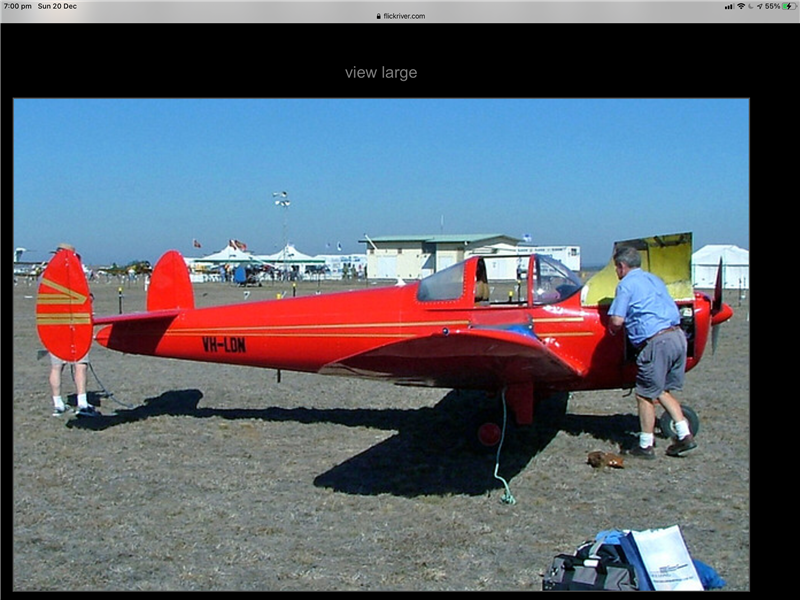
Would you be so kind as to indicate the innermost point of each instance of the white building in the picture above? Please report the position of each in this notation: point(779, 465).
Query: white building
point(417, 256)
point(337, 266)
point(569, 256)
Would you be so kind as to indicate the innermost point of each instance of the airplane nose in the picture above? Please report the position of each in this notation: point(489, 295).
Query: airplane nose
point(724, 313)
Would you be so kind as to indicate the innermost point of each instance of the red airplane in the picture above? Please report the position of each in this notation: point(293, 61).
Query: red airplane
point(545, 333)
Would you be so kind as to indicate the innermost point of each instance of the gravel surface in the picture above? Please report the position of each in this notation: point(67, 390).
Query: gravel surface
point(216, 477)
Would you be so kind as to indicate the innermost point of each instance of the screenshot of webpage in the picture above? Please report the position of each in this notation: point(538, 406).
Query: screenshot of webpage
point(394, 11)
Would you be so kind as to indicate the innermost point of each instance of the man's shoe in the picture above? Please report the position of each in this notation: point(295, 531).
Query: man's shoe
point(648, 453)
point(59, 410)
point(682, 446)
point(87, 411)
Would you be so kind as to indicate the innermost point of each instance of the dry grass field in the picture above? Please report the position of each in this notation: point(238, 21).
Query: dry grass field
point(214, 477)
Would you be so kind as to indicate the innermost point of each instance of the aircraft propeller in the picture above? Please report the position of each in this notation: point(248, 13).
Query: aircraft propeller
point(720, 311)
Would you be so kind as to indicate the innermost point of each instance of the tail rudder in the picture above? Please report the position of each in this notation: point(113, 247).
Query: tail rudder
point(170, 286)
point(64, 308)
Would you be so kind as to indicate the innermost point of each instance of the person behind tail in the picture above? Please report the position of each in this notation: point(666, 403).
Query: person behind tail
point(79, 367)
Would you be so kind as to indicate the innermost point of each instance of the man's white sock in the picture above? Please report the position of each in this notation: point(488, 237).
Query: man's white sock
point(682, 429)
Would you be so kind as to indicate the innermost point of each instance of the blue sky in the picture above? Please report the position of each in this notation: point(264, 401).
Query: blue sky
point(126, 180)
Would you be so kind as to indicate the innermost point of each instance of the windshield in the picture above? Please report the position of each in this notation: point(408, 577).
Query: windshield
point(447, 284)
point(554, 281)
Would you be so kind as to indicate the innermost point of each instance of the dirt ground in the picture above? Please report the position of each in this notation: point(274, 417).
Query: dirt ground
point(214, 477)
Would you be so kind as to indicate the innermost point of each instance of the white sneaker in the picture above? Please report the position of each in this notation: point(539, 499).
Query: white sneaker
point(87, 411)
point(59, 410)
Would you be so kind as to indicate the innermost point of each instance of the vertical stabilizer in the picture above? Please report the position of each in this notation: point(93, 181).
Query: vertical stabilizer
point(170, 286)
point(64, 307)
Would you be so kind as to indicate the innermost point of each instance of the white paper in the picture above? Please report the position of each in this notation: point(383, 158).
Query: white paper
point(667, 560)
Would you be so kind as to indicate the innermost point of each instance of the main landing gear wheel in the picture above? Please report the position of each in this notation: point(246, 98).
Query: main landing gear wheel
point(667, 425)
point(489, 435)
point(485, 428)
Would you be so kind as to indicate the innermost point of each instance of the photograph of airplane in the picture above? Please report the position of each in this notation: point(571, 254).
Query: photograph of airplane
point(446, 330)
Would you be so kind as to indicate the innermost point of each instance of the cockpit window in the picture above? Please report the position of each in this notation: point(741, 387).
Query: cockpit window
point(554, 281)
point(447, 284)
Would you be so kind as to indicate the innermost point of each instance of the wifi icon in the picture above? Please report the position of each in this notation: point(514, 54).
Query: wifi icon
point(740, 5)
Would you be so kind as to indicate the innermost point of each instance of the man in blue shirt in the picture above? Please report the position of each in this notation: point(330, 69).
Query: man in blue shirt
point(642, 305)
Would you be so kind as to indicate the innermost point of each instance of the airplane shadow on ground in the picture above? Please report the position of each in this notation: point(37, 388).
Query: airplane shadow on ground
point(433, 451)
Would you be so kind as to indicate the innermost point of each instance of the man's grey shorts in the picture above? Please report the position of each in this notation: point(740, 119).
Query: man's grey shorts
point(55, 361)
point(661, 364)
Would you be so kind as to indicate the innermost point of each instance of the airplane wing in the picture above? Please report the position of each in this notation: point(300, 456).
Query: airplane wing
point(473, 358)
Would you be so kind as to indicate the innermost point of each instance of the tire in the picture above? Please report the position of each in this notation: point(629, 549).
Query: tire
point(667, 425)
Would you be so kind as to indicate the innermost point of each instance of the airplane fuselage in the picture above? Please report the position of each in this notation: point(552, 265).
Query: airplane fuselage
point(317, 334)
point(452, 329)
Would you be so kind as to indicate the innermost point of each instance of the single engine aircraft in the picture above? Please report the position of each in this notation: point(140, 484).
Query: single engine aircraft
point(541, 334)
point(28, 269)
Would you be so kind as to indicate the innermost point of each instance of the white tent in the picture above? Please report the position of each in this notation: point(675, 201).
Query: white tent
point(229, 254)
point(291, 256)
point(735, 267)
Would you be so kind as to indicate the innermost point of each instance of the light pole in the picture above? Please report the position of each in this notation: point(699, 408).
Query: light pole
point(283, 201)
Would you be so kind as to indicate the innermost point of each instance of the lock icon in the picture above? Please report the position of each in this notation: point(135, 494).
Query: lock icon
point(379, 15)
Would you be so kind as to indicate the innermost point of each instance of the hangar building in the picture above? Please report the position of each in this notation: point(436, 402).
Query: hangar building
point(417, 256)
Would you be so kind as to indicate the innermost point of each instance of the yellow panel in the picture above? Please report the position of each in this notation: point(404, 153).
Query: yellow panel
point(601, 286)
point(668, 256)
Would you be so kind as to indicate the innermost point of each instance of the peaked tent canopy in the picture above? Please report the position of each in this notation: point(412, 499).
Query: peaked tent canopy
point(230, 254)
point(735, 267)
point(292, 256)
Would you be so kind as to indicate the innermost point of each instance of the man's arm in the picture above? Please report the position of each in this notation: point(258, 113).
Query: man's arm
point(615, 324)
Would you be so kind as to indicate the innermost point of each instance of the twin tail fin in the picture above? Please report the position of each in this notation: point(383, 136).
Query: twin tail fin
point(64, 319)
point(64, 308)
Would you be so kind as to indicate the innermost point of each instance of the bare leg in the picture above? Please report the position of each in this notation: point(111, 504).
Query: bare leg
point(55, 379)
point(55, 389)
point(80, 377)
point(672, 406)
point(647, 414)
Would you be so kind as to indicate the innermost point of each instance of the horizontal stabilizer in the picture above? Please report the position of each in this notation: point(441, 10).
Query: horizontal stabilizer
point(135, 333)
point(169, 294)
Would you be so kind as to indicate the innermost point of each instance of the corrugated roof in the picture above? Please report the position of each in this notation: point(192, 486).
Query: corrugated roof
point(452, 238)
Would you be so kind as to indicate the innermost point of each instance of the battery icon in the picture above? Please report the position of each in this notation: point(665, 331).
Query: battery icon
point(789, 6)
